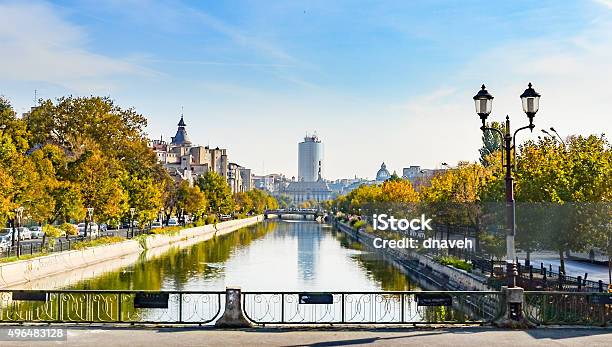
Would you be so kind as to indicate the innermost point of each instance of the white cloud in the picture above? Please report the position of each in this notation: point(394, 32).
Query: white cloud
point(38, 45)
point(607, 3)
point(573, 75)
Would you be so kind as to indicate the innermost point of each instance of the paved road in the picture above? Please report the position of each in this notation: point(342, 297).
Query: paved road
point(456, 337)
point(572, 267)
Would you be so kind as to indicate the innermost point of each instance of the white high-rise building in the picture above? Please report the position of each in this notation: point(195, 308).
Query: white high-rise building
point(310, 159)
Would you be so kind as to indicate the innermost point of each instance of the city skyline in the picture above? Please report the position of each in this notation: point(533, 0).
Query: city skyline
point(383, 82)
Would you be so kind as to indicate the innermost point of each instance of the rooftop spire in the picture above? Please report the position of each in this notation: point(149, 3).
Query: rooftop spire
point(181, 138)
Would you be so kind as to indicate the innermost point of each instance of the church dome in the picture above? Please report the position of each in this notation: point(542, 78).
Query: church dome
point(383, 174)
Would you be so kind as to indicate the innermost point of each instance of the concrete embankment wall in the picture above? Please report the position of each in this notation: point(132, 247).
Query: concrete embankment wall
point(435, 275)
point(24, 271)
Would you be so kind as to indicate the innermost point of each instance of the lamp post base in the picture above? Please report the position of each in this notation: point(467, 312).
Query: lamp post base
point(513, 318)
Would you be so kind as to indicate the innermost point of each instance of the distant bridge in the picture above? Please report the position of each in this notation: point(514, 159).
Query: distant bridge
point(304, 212)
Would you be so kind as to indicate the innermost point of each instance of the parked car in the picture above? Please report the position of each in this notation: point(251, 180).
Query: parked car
point(92, 229)
point(24, 233)
point(37, 232)
point(156, 225)
point(126, 224)
point(172, 222)
point(5, 244)
point(7, 232)
point(225, 217)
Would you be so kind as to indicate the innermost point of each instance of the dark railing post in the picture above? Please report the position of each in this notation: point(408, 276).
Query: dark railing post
point(403, 304)
point(530, 272)
point(282, 307)
point(542, 271)
point(119, 308)
point(579, 279)
point(181, 307)
point(600, 282)
point(342, 308)
point(59, 307)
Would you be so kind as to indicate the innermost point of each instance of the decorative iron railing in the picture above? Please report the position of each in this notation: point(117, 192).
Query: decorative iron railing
point(409, 307)
point(205, 307)
point(83, 306)
point(565, 308)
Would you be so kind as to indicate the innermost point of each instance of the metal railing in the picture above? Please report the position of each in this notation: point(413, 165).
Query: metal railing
point(287, 308)
point(31, 248)
point(406, 307)
point(529, 277)
point(110, 306)
point(563, 308)
point(60, 244)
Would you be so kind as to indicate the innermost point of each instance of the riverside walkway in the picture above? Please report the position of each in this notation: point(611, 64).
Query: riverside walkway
point(456, 337)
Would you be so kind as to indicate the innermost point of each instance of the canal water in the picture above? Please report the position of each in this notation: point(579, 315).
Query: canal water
point(275, 255)
point(276, 263)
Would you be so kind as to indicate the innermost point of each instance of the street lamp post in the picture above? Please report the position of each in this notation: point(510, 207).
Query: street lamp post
point(132, 210)
point(484, 102)
point(90, 211)
point(18, 215)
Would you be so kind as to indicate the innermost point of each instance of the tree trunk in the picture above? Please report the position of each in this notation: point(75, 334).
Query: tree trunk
point(12, 222)
point(610, 270)
point(561, 261)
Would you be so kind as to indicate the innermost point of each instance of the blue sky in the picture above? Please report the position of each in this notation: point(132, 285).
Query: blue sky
point(378, 80)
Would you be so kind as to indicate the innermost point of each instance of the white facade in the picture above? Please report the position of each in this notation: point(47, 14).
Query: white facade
point(310, 159)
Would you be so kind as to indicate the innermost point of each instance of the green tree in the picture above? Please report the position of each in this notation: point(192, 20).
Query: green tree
point(244, 203)
point(99, 182)
point(284, 201)
point(71, 122)
point(190, 200)
point(217, 192)
point(571, 179)
point(491, 142)
point(50, 233)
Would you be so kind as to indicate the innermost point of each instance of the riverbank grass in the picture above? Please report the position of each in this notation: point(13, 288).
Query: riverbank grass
point(454, 262)
point(104, 240)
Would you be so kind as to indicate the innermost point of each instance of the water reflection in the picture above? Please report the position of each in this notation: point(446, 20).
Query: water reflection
point(273, 256)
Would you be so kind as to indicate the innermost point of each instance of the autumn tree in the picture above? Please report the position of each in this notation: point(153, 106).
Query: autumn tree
point(217, 192)
point(190, 200)
point(72, 121)
point(572, 180)
point(99, 183)
point(455, 197)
